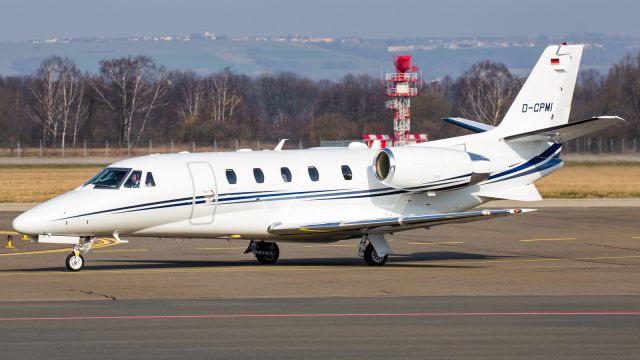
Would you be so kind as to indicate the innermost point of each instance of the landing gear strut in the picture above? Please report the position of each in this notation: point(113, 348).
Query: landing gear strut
point(75, 260)
point(266, 252)
point(374, 249)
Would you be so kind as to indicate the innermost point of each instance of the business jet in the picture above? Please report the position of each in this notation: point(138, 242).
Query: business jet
point(328, 194)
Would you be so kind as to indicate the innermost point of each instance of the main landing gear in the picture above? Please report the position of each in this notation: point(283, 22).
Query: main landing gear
point(374, 249)
point(75, 260)
point(266, 253)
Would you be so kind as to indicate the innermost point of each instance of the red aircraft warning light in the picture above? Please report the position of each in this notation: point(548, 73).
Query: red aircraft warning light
point(400, 86)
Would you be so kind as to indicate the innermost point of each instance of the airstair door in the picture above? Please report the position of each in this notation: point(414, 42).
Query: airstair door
point(205, 194)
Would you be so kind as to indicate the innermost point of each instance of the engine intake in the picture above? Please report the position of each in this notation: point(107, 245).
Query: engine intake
point(413, 167)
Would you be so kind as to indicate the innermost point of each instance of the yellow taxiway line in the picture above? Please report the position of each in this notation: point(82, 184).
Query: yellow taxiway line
point(550, 239)
point(123, 250)
point(102, 243)
point(329, 245)
point(437, 243)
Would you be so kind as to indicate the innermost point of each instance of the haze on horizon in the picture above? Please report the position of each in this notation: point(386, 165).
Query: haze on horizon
point(22, 20)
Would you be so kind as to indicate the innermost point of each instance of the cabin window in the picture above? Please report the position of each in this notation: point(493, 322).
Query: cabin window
point(313, 173)
point(231, 176)
point(346, 172)
point(149, 181)
point(286, 174)
point(134, 179)
point(108, 178)
point(258, 175)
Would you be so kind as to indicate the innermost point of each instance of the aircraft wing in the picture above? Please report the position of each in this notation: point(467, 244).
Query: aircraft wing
point(565, 132)
point(391, 224)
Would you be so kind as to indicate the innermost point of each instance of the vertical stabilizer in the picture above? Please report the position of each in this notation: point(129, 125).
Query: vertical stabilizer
point(545, 98)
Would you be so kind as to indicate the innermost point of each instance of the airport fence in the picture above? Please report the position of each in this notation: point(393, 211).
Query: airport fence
point(590, 145)
point(109, 150)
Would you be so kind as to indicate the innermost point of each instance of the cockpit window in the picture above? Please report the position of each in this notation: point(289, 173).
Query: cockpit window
point(148, 181)
point(134, 179)
point(108, 178)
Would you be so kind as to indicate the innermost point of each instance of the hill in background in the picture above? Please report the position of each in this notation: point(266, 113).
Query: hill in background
point(316, 58)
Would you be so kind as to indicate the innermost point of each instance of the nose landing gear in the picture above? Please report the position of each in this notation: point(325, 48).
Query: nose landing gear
point(75, 260)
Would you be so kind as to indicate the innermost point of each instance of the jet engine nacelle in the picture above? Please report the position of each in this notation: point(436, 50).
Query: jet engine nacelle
point(410, 167)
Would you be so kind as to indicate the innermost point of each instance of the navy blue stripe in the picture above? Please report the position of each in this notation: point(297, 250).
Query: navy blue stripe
point(537, 159)
point(128, 207)
point(551, 163)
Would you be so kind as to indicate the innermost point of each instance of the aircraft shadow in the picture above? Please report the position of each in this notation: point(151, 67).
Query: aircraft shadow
point(399, 260)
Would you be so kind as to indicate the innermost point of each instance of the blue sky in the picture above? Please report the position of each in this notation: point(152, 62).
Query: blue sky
point(29, 19)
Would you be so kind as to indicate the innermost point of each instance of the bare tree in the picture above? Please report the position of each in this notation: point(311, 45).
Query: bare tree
point(57, 90)
point(222, 97)
point(44, 107)
point(71, 89)
point(192, 92)
point(131, 88)
point(624, 86)
point(485, 91)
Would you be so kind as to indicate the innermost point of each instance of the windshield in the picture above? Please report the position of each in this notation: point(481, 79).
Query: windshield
point(108, 178)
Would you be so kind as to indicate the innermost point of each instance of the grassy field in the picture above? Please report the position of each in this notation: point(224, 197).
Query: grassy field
point(592, 180)
point(21, 183)
point(39, 183)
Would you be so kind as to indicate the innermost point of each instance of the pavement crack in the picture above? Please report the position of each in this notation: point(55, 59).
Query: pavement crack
point(614, 247)
point(89, 292)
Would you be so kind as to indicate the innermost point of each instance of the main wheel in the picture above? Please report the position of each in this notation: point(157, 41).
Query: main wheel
point(75, 263)
point(270, 255)
point(371, 257)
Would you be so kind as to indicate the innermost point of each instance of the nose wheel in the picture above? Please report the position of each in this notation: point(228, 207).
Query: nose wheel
point(75, 261)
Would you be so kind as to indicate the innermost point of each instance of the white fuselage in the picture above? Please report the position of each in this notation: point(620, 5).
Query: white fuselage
point(193, 198)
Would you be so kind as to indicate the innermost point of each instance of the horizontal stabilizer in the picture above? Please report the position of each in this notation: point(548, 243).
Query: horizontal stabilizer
point(474, 126)
point(519, 193)
point(391, 224)
point(565, 132)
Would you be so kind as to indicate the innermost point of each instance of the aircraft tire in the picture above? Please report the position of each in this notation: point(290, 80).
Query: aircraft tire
point(269, 259)
point(371, 257)
point(74, 263)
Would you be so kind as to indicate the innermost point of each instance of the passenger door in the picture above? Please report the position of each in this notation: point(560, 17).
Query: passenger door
point(205, 195)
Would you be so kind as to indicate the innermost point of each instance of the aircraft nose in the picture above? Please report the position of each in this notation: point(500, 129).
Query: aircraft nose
point(25, 223)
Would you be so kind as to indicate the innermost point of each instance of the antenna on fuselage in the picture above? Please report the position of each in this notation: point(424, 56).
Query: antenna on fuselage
point(280, 145)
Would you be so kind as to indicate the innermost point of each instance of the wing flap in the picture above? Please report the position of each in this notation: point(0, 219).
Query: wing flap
point(392, 224)
point(565, 132)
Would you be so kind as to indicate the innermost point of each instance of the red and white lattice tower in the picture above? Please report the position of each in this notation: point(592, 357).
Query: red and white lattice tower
point(400, 86)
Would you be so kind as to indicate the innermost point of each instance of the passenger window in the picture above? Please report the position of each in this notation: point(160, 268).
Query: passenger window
point(286, 174)
point(148, 181)
point(346, 172)
point(134, 179)
point(231, 176)
point(258, 175)
point(313, 173)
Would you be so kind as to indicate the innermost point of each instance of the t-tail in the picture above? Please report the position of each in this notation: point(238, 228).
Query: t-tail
point(535, 127)
point(541, 110)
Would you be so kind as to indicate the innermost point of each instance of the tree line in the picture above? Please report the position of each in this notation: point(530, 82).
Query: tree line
point(132, 99)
